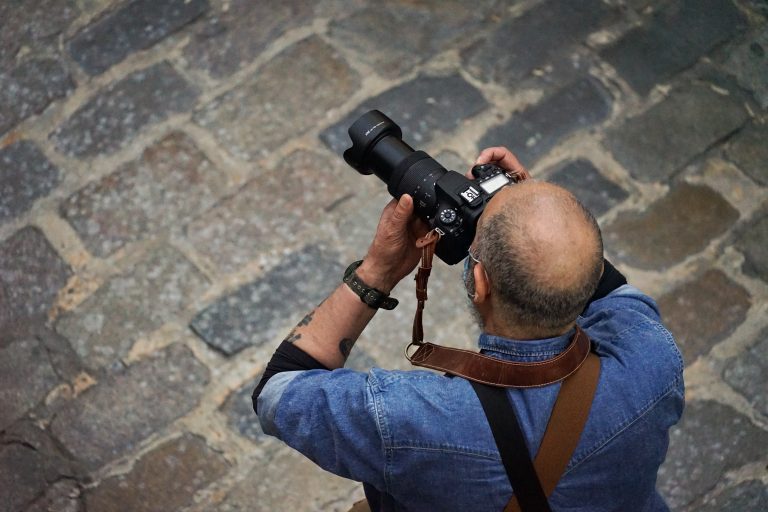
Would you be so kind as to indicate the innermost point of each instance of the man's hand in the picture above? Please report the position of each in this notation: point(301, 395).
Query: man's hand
point(504, 158)
point(393, 253)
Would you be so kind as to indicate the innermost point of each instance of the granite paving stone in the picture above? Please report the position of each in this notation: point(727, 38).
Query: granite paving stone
point(432, 27)
point(542, 37)
point(274, 209)
point(171, 181)
point(703, 311)
point(238, 409)
point(258, 312)
point(265, 484)
point(657, 143)
point(537, 129)
point(286, 97)
point(167, 478)
point(749, 63)
point(749, 495)
point(61, 496)
point(119, 111)
point(109, 420)
point(25, 176)
point(228, 40)
point(34, 27)
point(678, 225)
point(29, 88)
point(26, 377)
point(128, 306)
point(133, 26)
point(753, 244)
point(747, 373)
point(711, 439)
point(30, 462)
point(422, 107)
point(749, 151)
point(31, 274)
point(594, 190)
point(673, 40)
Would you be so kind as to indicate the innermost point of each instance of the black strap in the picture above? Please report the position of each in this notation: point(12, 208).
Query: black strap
point(512, 448)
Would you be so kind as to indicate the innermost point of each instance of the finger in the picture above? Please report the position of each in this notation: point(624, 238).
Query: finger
point(491, 155)
point(403, 210)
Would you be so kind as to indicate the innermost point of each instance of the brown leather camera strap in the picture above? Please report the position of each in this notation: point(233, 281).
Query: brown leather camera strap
point(478, 367)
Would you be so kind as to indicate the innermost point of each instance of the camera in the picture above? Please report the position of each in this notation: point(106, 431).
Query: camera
point(447, 200)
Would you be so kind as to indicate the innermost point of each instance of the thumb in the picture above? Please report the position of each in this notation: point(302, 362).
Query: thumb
point(403, 210)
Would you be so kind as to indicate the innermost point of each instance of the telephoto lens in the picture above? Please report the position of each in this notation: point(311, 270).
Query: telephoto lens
point(447, 200)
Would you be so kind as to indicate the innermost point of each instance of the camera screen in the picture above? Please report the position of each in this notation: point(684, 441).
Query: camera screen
point(495, 183)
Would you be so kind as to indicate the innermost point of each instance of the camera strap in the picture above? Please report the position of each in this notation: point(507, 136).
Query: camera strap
point(478, 367)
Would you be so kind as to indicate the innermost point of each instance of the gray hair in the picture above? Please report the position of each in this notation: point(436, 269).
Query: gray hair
point(510, 259)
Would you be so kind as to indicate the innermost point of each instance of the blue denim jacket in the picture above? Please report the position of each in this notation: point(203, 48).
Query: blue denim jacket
point(420, 441)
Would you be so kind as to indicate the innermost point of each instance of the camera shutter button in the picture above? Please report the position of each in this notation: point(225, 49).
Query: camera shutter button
point(448, 216)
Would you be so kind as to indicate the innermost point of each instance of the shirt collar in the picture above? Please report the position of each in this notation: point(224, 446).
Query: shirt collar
point(524, 349)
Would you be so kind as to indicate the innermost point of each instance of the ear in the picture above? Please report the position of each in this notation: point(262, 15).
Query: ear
point(482, 284)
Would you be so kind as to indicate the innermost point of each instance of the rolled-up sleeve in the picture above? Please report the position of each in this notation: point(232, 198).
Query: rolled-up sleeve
point(331, 417)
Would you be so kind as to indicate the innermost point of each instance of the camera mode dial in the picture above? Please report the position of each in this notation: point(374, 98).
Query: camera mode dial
point(448, 216)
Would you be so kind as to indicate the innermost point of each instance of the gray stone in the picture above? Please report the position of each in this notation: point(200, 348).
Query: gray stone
point(257, 312)
point(711, 440)
point(433, 26)
point(286, 97)
point(359, 360)
point(240, 416)
point(171, 181)
point(701, 312)
point(595, 191)
point(538, 128)
point(748, 373)
point(673, 40)
point(164, 479)
point(30, 462)
point(749, 495)
point(228, 40)
point(118, 112)
point(110, 419)
point(749, 150)
point(676, 226)
point(31, 274)
point(753, 243)
point(133, 26)
point(275, 209)
point(61, 496)
point(453, 162)
point(659, 142)
point(33, 26)
point(265, 485)
point(26, 377)
point(542, 38)
point(104, 327)
point(422, 107)
point(749, 63)
point(25, 175)
point(28, 89)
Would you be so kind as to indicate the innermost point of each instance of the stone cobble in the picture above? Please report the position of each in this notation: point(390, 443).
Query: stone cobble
point(173, 199)
point(118, 112)
point(169, 182)
point(136, 25)
point(25, 175)
point(109, 420)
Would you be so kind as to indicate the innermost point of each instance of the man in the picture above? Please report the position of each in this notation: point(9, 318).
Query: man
point(419, 440)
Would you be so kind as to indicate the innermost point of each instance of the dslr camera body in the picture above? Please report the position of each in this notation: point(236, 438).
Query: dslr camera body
point(447, 200)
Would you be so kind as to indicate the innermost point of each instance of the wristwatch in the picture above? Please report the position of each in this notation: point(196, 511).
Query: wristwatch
point(371, 296)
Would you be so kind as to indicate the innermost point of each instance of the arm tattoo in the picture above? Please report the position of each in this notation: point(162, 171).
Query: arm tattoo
point(345, 347)
point(293, 336)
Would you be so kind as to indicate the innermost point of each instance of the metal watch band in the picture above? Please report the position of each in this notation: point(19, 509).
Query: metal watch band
point(370, 296)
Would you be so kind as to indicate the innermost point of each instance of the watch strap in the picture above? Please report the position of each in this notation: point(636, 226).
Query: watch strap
point(368, 295)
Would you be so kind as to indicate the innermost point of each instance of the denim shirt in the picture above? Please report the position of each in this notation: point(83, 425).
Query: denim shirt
point(419, 440)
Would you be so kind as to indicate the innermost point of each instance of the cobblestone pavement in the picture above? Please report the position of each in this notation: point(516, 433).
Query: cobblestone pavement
point(173, 200)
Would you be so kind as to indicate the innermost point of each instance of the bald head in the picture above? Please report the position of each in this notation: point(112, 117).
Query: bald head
point(542, 252)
